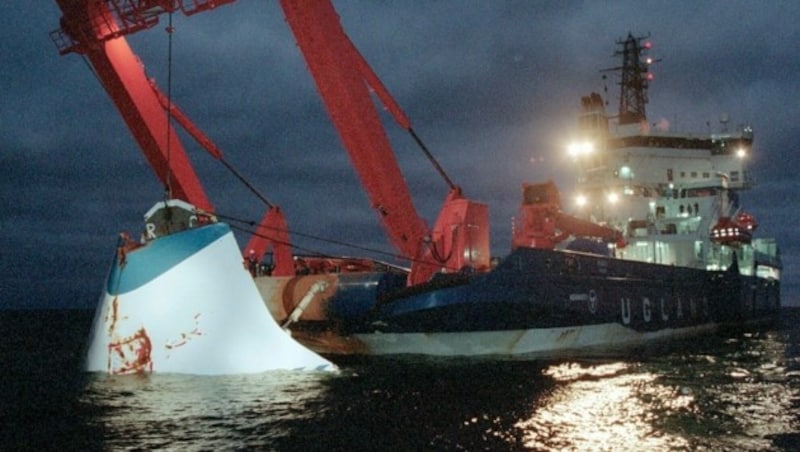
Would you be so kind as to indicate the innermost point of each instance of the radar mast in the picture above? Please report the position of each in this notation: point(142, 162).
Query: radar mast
point(635, 78)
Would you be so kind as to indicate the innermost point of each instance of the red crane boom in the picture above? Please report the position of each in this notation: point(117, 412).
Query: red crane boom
point(95, 29)
point(461, 235)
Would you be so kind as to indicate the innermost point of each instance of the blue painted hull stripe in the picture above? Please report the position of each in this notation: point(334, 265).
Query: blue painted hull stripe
point(144, 264)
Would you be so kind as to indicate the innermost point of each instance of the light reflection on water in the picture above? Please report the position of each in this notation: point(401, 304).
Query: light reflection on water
point(743, 396)
point(199, 412)
point(603, 406)
point(734, 392)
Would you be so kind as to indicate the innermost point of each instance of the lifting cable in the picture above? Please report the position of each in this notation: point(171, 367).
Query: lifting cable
point(436, 255)
point(432, 246)
point(168, 182)
point(304, 235)
point(246, 183)
point(168, 188)
point(432, 159)
point(312, 237)
point(280, 242)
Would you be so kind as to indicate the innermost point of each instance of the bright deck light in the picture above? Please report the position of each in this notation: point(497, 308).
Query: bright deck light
point(580, 200)
point(581, 148)
point(741, 153)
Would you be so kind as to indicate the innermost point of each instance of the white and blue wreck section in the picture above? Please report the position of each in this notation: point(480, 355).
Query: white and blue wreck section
point(184, 303)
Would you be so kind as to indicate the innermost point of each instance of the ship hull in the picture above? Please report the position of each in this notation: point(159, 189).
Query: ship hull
point(184, 303)
point(538, 303)
point(608, 339)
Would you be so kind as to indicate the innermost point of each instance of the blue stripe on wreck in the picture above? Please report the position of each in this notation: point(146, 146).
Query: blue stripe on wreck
point(144, 264)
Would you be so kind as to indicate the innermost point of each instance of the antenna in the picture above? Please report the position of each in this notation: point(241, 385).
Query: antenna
point(635, 78)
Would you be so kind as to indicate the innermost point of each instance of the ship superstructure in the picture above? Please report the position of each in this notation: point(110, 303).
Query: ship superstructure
point(675, 196)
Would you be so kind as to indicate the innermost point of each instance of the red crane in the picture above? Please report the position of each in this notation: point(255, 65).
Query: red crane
point(543, 225)
point(96, 29)
point(460, 237)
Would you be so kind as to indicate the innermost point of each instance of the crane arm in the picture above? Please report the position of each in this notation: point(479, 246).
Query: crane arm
point(460, 237)
point(93, 30)
point(337, 71)
point(543, 224)
point(97, 29)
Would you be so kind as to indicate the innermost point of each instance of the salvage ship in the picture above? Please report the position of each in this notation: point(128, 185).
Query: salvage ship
point(657, 248)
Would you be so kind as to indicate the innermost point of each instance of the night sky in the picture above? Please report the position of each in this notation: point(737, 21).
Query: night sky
point(492, 88)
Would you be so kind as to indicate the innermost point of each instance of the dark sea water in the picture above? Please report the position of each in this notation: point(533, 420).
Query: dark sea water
point(736, 390)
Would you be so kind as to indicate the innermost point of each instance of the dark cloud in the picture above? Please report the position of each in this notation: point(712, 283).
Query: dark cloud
point(492, 88)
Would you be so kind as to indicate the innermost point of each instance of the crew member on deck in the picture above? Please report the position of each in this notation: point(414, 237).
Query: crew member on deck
point(252, 263)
